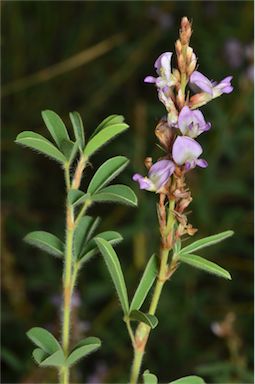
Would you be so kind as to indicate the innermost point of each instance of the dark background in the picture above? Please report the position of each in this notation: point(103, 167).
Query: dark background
point(35, 37)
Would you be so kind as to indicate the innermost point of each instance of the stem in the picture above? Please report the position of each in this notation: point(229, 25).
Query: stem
point(143, 330)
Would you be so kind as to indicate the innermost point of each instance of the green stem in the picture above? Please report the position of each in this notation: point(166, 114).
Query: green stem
point(143, 330)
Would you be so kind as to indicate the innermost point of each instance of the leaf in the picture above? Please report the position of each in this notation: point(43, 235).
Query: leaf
point(91, 248)
point(107, 172)
point(55, 126)
point(39, 143)
point(205, 265)
point(116, 194)
point(69, 149)
point(114, 267)
point(83, 233)
point(145, 284)
point(206, 242)
point(39, 355)
point(102, 137)
point(189, 380)
point(78, 129)
point(46, 241)
point(56, 359)
point(110, 120)
point(82, 349)
point(77, 197)
point(44, 339)
point(149, 378)
point(146, 318)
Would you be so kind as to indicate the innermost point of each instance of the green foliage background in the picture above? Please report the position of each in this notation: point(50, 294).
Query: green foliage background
point(36, 36)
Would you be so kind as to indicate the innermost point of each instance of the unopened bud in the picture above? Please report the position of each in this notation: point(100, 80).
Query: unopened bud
point(178, 47)
point(189, 54)
point(199, 99)
point(165, 134)
point(176, 75)
point(181, 63)
point(148, 162)
point(192, 65)
point(185, 32)
point(180, 99)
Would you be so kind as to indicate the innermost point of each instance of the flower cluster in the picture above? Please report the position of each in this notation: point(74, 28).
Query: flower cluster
point(184, 122)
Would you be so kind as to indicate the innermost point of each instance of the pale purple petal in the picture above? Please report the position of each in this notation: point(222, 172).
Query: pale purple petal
point(150, 79)
point(164, 62)
point(185, 149)
point(201, 82)
point(144, 182)
point(202, 163)
point(192, 123)
point(160, 172)
point(225, 85)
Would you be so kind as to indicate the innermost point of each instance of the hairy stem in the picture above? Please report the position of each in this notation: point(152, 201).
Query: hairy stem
point(143, 330)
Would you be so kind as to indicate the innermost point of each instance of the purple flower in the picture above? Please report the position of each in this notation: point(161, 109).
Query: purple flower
point(187, 151)
point(163, 69)
point(214, 89)
point(158, 176)
point(192, 123)
point(170, 106)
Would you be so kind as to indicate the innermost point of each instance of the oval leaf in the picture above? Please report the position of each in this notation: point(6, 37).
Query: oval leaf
point(55, 126)
point(57, 359)
point(206, 242)
point(107, 172)
point(91, 248)
point(102, 137)
point(114, 267)
point(146, 318)
point(205, 265)
point(44, 339)
point(69, 149)
point(39, 355)
point(116, 194)
point(110, 120)
point(78, 129)
point(46, 241)
point(86, 346)
point(149, 378)
point(189, 380)
point(145, 284)
point(39, 143)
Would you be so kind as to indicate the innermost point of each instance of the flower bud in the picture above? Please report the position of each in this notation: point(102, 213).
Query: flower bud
point(180, 99)
point(176, 75)
point(165, 134)
point(192, 66)
point(185, 32)
point(148, 162)
point(178, 47)
point(189, 54)
point(181, 63)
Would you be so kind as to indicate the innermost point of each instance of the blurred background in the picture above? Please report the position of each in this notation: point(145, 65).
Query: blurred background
point(92, 57)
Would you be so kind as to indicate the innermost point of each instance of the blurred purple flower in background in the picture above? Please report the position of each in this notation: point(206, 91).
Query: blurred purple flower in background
point(187, 151)
point(192, 123)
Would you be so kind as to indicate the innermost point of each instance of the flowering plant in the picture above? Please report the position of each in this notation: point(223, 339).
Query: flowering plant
point(177, 133)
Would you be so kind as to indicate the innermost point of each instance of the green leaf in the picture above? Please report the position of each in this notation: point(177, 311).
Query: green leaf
point(46, 241)
point(55, 126)
point(56, 359)
point(91, 248)
point(77, 197)
point(107, 172)
point(44, 339)
point(189, 380)
point(83, 233)
point(78, 129)
point(82, 349)
point(146, 318)
point(149, 378)
point(116, 194)
point(114, 267)
point(102, 137)
point(39, 355)
point(205, 265)
point(39, 143)
point(110, 120)
point(69, 149)
point(145, 284)
point(206, 242)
